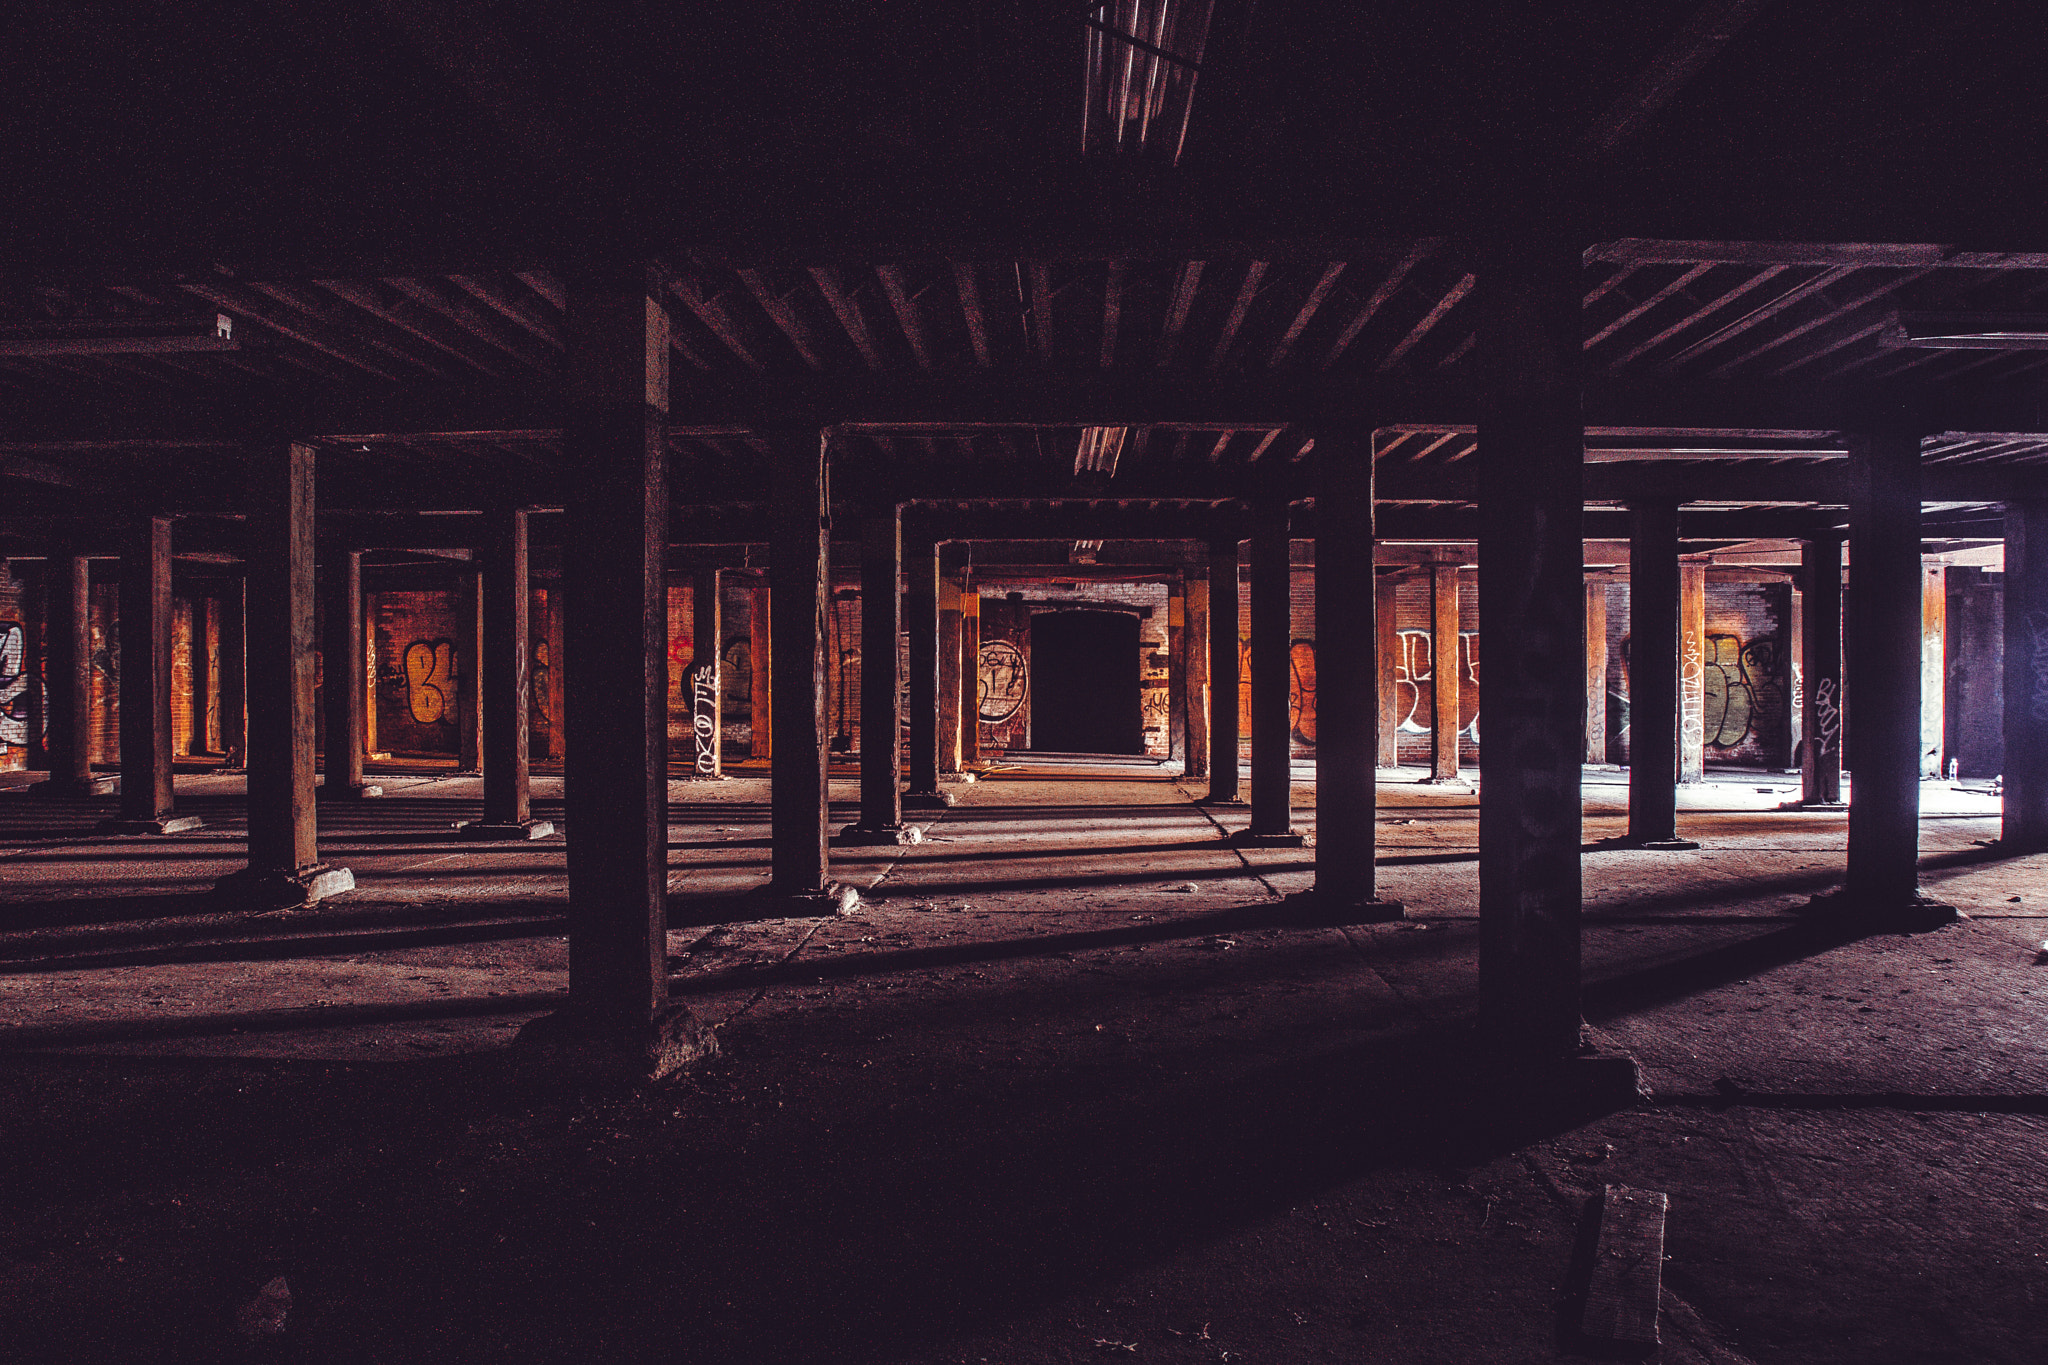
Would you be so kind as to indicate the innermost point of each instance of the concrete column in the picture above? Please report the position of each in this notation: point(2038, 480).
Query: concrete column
point(506, 682)
point(970, 675)
point(619, 1018)
point(1933, 668)
point(921, 598)
point(881, 684)
point(1884, 679)
point(284, 857)
point(68, 670)
point(145, 627)
point(1223, 679)
point(949, 710)
point(1692, 672)
point(558, 710)
point(1387, 637)
point(1595, 750)
point(469, 660)
point(702, 680)
point(761, 656)
point(234, 673)
point(2025, 826)
point(1653, 675)
point(342, 683)
point(1347, 679)
point(1272, 790)
point(1444, 672)
point(1177, 673)
point(1196, 678)
point(798, 573)
point(1532, 608)
point(201, 680)
point(1820, 768)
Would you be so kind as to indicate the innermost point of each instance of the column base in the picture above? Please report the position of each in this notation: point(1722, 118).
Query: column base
point(1317, 906)
point(571, 1047)
point(1847, 910)
point(1671, 845)
point(505, 829)
point(165, 824)
point(1433, 781)
point(694, 776)
point(874, 836)
point(1813, 805)
point(361, 791)
point(927, 800)
point(62, 790)
point(1221, 801)
point(266, 888)
point(1245, 838)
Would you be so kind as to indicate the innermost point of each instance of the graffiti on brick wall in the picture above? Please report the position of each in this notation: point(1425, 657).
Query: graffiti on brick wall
point(2037, 661)
point(14, 686)
point(430, 681)
point(1157, 705)
point(542, 685)
point(1741, 690)
point(1000, 681)
point(1827, 716)
point(1692, 711)
point(1415, 684)
point(1301, 691)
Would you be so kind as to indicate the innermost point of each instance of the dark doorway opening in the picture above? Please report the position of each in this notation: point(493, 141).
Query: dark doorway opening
point(1084, 683)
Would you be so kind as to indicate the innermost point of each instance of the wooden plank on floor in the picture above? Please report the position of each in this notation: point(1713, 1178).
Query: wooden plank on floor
point(1628, 1271)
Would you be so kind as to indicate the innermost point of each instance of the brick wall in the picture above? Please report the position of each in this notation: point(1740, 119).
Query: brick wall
point(17, 685)
point(1415, 669)
point(1747, 661)
point(419, 647)
point(1004, 671)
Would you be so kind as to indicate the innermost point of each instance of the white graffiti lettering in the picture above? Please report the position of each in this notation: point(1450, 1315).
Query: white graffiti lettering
point(704, 717)
point(1827, 716)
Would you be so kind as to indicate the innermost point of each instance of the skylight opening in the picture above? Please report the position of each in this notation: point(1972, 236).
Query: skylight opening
point(1143, 57)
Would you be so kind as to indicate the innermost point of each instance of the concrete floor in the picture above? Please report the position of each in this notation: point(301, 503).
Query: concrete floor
point(1065, 1088)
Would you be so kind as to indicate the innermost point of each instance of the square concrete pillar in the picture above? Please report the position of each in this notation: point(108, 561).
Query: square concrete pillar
point(1196, 677)
point(343, 686)
point(799, 578)
point(921, 604)
point(145, 630)
point(1532, 605)
point(1821, 697)
point(1272, 823)
point(1445, 668)
point(1692, 672)
point(881, 683)
point(284, 868)
point(2025, 825)
point(68, 669)
point(619, 1019)
point(1347, 682)
point(703, 679)
point(1223, 666)
point(1653, 675)
point(505, 680)
point(1883, 884)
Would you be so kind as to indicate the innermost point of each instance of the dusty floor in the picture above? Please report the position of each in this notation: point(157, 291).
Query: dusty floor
point(1065, 1088)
